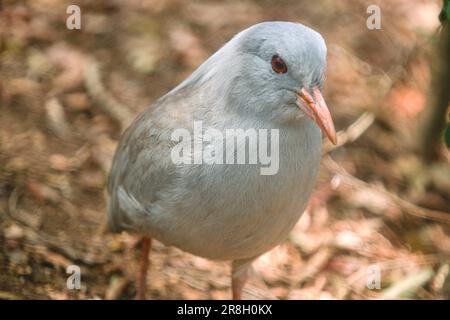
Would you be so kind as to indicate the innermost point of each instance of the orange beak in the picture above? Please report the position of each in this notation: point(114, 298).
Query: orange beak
point(315, 108)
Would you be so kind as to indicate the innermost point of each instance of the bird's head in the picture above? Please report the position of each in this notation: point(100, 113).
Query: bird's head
point(273, 70)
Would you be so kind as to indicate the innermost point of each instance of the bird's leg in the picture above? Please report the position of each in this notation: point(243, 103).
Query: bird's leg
point(143, 268)
point(240, 270)
point(237, 286)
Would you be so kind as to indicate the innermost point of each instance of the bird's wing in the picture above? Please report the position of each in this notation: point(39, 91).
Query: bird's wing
point(142, 165)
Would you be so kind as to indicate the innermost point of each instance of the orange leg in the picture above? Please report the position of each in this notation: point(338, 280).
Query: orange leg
point(237, 284)
point(240, 270)
point(143, 268)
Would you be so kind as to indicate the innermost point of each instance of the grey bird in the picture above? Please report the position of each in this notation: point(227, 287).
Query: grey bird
point(268, 76)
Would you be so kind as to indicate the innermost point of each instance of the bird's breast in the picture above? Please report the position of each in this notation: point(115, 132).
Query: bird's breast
point(233, 211)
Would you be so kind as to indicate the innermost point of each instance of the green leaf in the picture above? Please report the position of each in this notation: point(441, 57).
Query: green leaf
point(447, 136)
point(445, 13)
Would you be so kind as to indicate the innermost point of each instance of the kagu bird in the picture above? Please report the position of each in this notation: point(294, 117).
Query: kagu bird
point(268, 76)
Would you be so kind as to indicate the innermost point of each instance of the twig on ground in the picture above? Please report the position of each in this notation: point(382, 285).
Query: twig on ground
point(4, 295)
point(104, 99)
point(407, 287)
point(56, 118)
point(54, 243)
point(116, 288)
point(353, 132)
point(406, 206)
point(439, 280)
point(315, 264)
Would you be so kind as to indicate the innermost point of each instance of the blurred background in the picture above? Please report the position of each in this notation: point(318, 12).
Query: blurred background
point(381, 209)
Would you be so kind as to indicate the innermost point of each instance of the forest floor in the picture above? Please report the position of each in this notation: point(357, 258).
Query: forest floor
point(378, 212)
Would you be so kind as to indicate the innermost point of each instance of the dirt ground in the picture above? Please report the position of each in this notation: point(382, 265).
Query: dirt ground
point(66, 95)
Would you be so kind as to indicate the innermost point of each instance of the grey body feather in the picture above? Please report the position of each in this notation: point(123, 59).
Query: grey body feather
point(224, 211)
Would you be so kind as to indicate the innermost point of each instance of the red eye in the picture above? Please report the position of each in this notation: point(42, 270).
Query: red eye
point(278, 64)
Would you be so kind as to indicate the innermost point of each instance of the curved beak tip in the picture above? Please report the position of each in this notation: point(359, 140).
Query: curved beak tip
point(333, 138)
